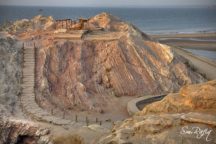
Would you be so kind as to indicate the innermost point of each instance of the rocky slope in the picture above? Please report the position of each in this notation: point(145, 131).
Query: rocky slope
point(117, 60)
point(94, 70)
point(188, 118)
point(26, 25)
point(10, 73)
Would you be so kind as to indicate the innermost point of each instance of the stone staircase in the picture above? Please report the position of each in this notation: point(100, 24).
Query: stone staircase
point(28, 103)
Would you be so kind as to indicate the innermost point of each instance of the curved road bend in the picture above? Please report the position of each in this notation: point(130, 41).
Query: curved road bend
point(137, 104)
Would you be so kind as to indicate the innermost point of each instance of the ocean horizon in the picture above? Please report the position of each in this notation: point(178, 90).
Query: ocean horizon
point(149, 20)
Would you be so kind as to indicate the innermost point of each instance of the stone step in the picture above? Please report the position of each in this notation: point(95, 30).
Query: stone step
point(28, 70)
point(25, 86)
point(29, 61)
point(29, 76)
point(28, 82)
point(29, 64)
point(29, 47)
point(29, 50)
point(25, 79)
point(29, 57)
point(29, 53)
point(28, 90)
point(29, 67)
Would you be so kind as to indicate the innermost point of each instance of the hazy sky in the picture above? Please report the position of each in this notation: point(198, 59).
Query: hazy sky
point(111, 3)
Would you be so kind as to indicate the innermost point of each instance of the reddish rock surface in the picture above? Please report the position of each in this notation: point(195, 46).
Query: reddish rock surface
point(120, 60)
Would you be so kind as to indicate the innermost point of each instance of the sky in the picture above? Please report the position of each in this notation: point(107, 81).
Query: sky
point(110, 3)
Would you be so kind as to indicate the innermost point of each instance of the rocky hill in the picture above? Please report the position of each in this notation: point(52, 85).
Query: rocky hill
point(112, 58)
point(187, 117)
point(96, 68)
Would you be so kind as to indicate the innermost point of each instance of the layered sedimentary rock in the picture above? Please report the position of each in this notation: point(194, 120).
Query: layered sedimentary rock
point(116, 60)
point(189, 118)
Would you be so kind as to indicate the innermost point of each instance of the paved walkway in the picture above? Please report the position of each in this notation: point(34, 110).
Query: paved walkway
point(86, 35)
point(29, 105)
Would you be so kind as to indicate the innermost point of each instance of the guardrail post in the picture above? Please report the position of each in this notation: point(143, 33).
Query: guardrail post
point(64, 114)
point(76, 118)
point(87, 121)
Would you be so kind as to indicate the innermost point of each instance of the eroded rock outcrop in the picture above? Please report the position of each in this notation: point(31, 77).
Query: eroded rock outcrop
point(118, 60)
point(20, 131)
point(26, 25)
point(191, 119)
point(200, 97)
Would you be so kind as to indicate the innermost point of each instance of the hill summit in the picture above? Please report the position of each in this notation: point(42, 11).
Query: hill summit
point(103, 59)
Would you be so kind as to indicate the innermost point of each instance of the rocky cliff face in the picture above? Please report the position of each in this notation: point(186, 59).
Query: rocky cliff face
point(117, 61)
point(187, 118)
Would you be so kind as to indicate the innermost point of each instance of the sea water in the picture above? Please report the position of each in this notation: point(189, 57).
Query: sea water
point(149, 20)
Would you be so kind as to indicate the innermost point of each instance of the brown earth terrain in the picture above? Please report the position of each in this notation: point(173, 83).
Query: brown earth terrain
point(89, 72)
point(77, 79)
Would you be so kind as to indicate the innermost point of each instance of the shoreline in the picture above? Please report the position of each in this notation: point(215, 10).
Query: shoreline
point(196, 41)
point(199, 41)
